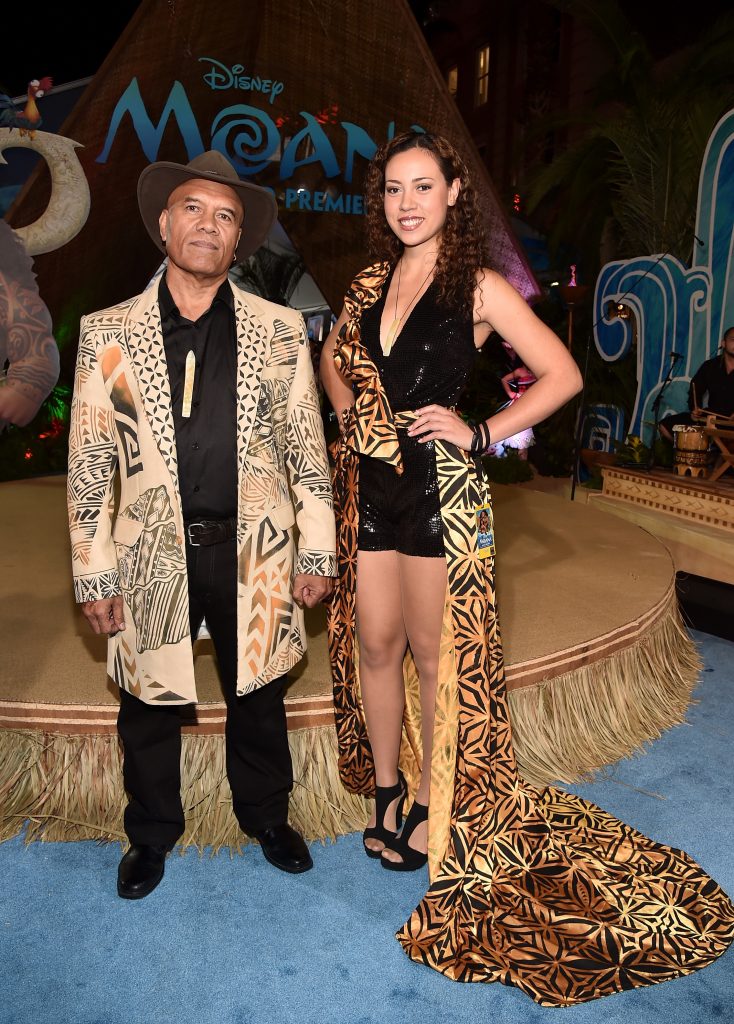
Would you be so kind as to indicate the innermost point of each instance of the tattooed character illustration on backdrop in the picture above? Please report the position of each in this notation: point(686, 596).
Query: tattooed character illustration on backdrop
point(28, 353)
point(27, 344)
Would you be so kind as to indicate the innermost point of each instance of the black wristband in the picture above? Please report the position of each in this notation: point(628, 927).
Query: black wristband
point(481, 441)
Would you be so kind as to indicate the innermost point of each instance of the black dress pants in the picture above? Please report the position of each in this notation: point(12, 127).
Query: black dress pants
point(258, 758)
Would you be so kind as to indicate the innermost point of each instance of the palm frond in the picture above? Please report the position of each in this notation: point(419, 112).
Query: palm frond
point(640, 156)
point(572, 165)
point(628, 49)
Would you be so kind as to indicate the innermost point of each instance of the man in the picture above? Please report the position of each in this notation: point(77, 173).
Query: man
point(711, 390)
point(204, 397)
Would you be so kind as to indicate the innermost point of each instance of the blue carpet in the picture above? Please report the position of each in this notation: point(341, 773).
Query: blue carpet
point(231, 940)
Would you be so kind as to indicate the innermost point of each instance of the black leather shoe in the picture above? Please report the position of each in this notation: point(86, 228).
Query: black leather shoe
point(140, 871)
point(285, 848)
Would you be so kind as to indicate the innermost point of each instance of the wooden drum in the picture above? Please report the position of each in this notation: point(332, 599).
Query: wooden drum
point(692, 450)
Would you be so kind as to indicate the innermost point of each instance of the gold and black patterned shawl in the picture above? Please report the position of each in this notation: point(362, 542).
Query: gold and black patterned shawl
point(539, 889)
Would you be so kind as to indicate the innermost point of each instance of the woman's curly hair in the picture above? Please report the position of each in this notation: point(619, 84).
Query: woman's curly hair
point(463, 249)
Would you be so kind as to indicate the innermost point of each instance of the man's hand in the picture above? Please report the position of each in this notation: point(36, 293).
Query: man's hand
point(309, 590)
point(16, 407)
point(105, 616)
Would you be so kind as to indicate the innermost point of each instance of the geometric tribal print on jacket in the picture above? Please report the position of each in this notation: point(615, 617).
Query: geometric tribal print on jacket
point(122, 425)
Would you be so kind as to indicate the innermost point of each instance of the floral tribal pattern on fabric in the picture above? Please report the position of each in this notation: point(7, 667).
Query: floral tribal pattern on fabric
point(538, 889)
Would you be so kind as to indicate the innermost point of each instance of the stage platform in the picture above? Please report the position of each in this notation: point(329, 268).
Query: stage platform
point(598, 664)
point(693, 517)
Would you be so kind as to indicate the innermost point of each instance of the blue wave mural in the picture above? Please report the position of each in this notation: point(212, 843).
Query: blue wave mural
point(677, 310)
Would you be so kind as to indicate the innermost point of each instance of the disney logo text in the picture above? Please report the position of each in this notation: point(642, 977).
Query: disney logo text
point(220, 76)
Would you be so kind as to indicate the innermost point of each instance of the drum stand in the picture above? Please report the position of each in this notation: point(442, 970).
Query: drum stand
point(720, 430)
point(674, 357)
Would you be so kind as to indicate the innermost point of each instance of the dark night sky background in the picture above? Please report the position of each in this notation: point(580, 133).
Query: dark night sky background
point(52, 40)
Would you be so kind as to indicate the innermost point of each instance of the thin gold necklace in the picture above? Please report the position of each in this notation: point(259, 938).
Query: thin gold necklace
point(394, 327)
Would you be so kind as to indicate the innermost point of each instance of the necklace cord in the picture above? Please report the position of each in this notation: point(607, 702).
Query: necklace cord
point(397, 320)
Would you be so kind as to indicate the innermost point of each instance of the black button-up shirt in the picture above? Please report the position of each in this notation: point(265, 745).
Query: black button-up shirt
point(206, 440)
point(714, 387)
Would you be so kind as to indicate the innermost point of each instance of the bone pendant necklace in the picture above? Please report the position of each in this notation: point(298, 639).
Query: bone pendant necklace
point(394, 327)
point(188, 392)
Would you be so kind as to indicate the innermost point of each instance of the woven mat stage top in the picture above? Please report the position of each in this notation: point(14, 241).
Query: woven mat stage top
point(598, 664)
point(574, 585)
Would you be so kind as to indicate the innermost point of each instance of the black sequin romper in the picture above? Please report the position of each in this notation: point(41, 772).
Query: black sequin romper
point(429, 364)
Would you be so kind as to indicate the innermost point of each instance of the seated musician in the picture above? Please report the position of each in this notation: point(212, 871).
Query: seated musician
point(711, 390)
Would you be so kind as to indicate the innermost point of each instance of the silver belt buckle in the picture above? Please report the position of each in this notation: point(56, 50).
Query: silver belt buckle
point(192, 542)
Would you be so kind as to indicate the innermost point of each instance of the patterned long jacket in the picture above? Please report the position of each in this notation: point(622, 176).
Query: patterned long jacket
point(133, 544)
point(540, 889)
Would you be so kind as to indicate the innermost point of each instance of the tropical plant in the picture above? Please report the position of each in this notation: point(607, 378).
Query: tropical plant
point(632, 451)
point(39, 449)
point(510, 469)
point(627, 185)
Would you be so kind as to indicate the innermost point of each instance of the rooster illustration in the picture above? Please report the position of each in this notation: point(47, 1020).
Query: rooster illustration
point(28, 120)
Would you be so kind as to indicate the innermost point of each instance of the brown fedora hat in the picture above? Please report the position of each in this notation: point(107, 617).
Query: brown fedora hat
point(158, 180)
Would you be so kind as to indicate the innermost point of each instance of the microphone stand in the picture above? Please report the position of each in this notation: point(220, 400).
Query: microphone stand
point(674, 357)
point(580, 423)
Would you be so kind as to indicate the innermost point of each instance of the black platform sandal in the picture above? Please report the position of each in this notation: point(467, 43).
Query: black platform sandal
point(412, 858)
point(384, 796)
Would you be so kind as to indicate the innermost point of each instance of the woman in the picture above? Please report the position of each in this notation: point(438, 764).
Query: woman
point(416, 575)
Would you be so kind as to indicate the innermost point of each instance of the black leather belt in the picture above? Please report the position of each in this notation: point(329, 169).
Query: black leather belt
point(202, 532)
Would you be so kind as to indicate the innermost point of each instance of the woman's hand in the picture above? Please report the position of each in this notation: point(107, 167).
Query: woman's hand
point(343, 419)
point(436, 423)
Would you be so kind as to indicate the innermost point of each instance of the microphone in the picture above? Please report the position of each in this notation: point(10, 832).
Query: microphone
point(675, 356)
point(699, 240)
